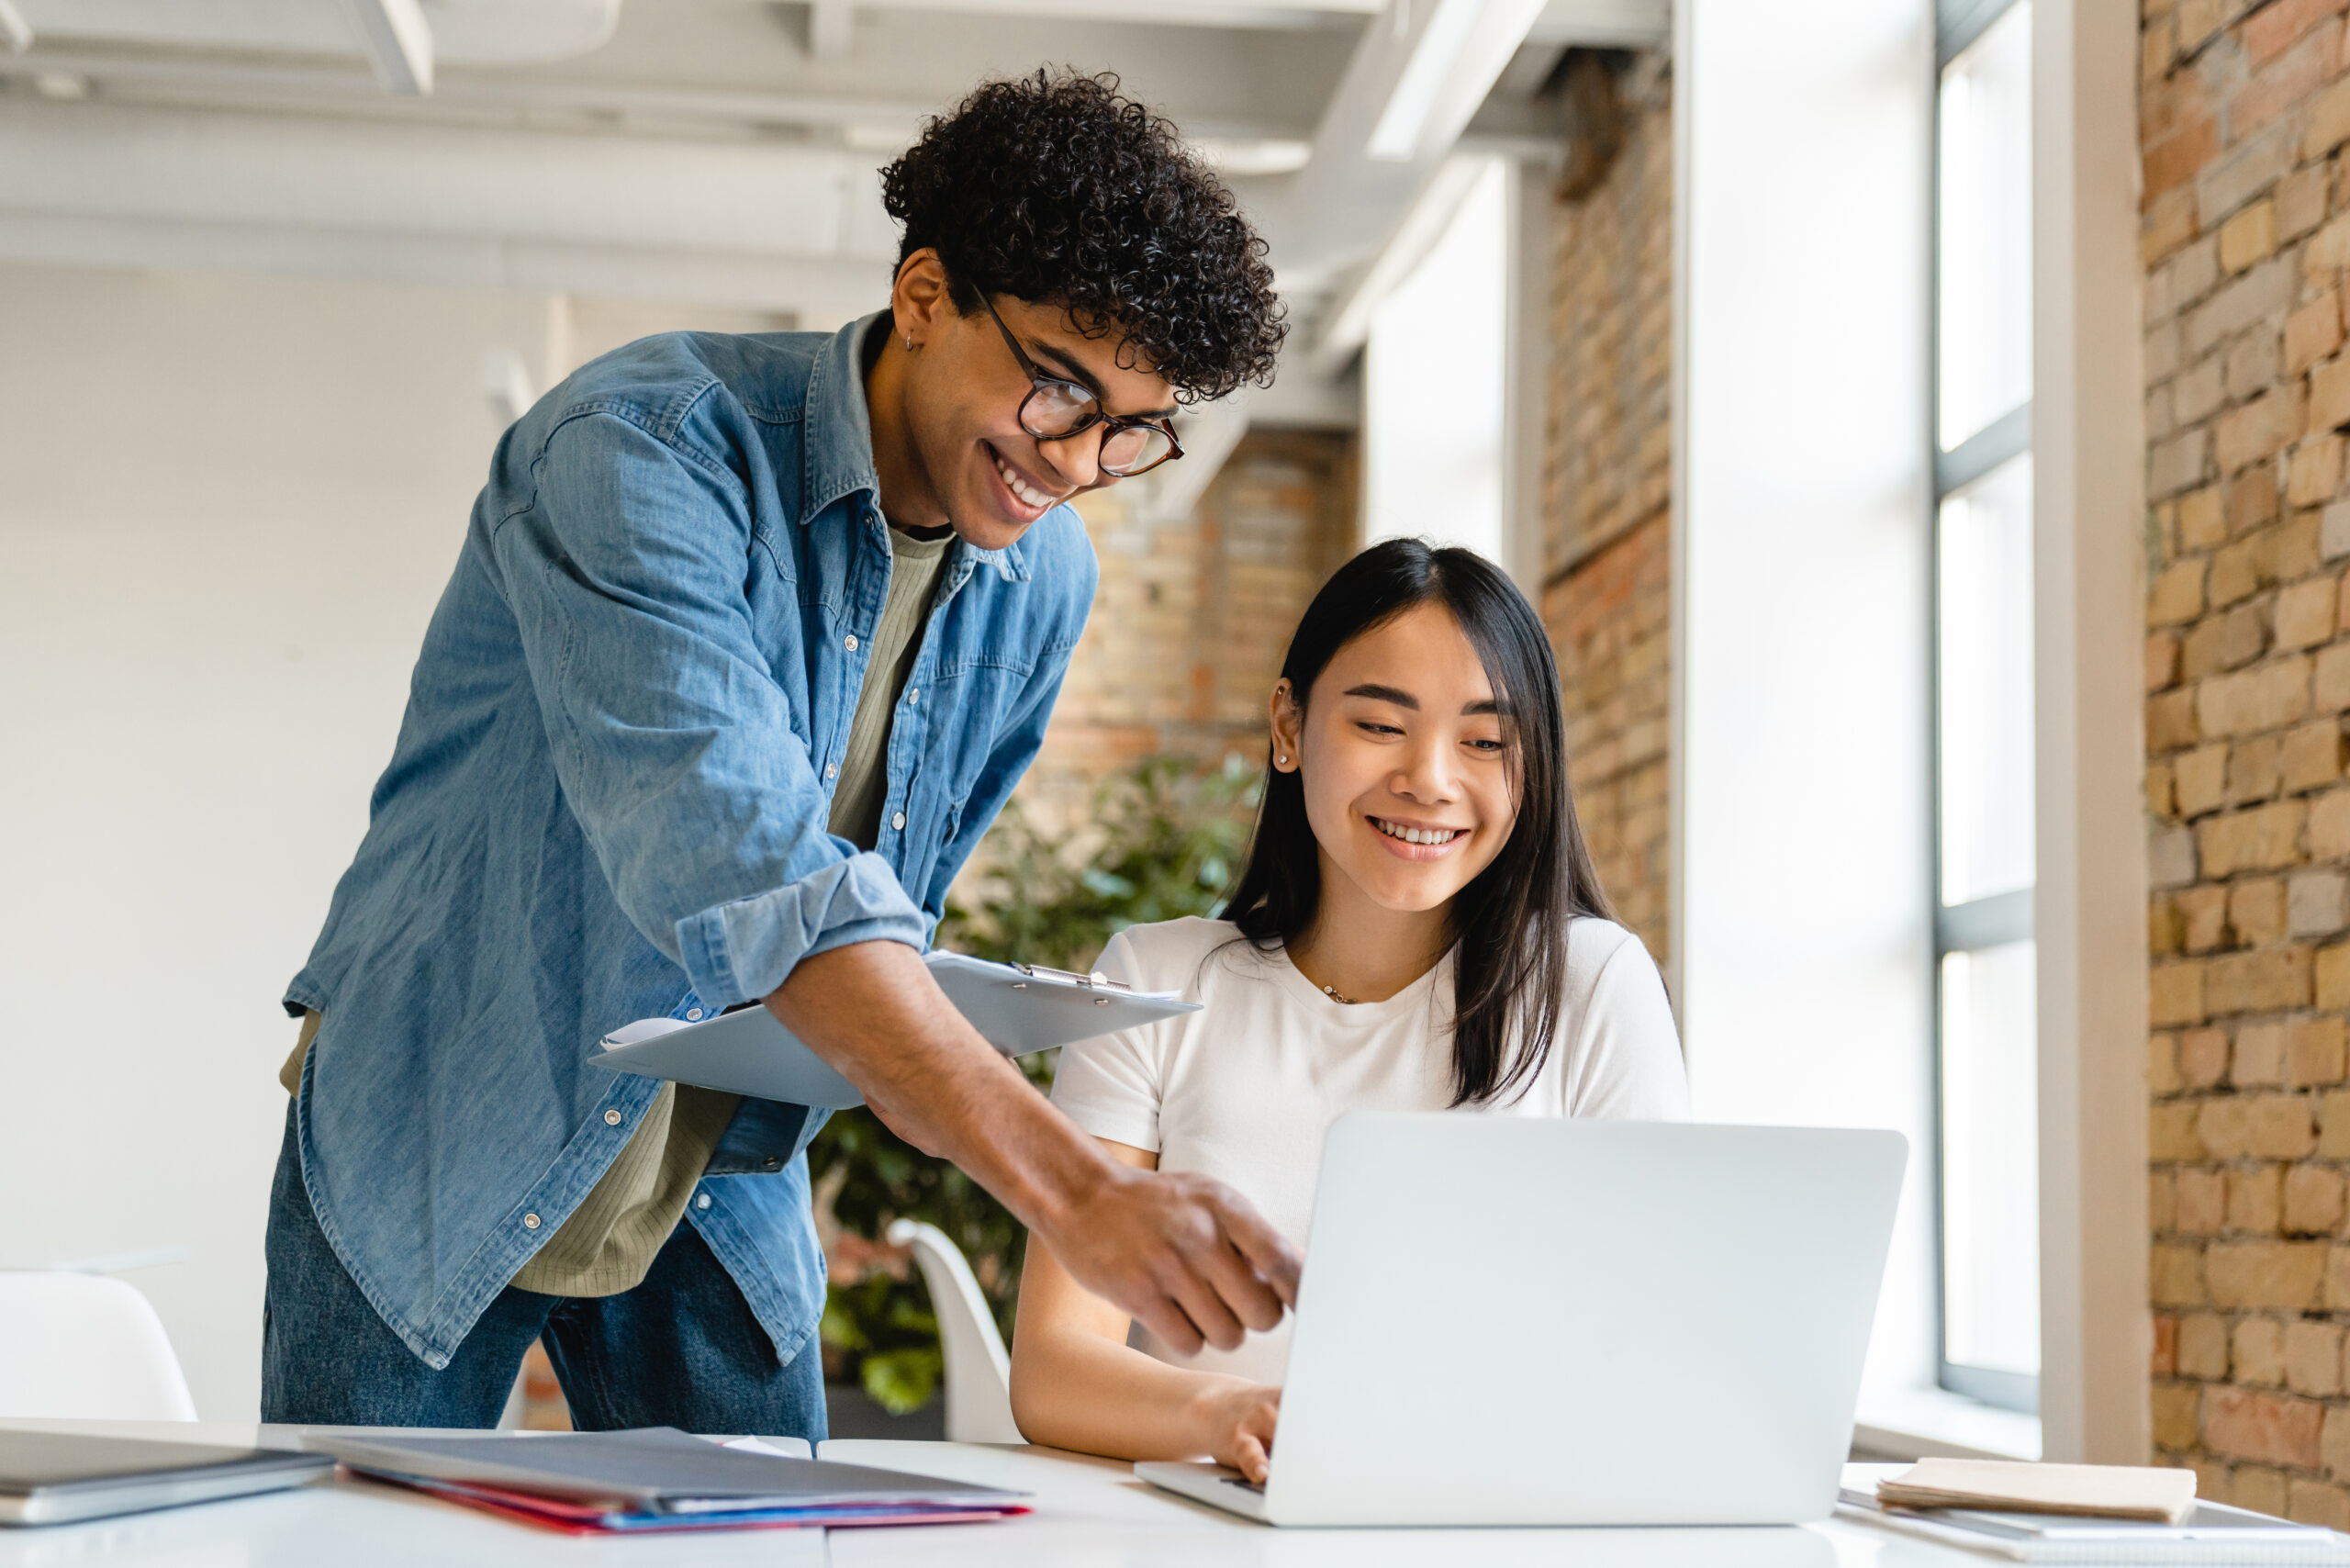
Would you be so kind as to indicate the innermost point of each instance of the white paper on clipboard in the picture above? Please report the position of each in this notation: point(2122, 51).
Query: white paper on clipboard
point(1017, 1008)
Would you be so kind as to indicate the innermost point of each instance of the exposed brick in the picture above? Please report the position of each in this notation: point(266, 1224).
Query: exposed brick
point(2200, 1202)
point(2257, 1201)
point(2312, 1199)
point(2177, 1407)
point(2330, 976)
point(2317, 1503)
point(2162, 1201)
point(2329, 825)
point(2162, 659)
point(2258, 1058)
point(2177, 1276)
point(2318, 903)
point(2176, 993)
point(2170, 1132)
point(2313, 332)
point(2203, 1053)
point(2266, 698)
point(2199, 779)
point(2263, 428)
point(2202, 1345)
point(2202, 525)
point(2255, 771)
point(2258, 1488)
point(2268, 1428)
point(2263, 839)
point(2170, 720)
point(2314, 1053)
point(2256, 911)
point(2162, 1064)
point(2164, 1362)
point(2315, 471)
point(2249, 236)
point(2310, 757)
point(2256, 1355)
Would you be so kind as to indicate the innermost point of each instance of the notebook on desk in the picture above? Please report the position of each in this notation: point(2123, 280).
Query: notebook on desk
point(2212, 1536)
point(55, 1478)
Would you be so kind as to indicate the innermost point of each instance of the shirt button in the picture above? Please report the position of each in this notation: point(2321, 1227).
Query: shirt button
point(831, 771)
point(897, 821)
point(612, 1118)
point(849, 642)
point(773, 1163)
point(530, 1222)
point(913, 694)
point(692, 1014)
point(702, 1202)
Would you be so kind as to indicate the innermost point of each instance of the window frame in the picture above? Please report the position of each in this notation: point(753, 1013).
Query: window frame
point(2000, 918)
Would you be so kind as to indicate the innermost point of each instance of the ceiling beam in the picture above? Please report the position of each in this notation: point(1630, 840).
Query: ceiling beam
point(399, 44)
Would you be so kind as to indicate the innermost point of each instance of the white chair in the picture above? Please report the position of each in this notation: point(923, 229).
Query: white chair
point(978, 1372)
point(85, 1347)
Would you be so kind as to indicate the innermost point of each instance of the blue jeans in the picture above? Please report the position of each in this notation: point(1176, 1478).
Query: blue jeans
point(681, 1349)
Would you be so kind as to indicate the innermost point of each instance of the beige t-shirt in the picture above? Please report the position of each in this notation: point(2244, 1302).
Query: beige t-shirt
point(1244, 1090)
point(607, 1245)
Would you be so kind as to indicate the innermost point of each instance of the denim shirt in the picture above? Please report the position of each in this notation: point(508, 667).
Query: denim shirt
point(608, 802)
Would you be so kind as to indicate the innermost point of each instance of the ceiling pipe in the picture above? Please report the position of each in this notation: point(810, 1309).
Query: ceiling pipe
point(399, 44)
point(15, 33)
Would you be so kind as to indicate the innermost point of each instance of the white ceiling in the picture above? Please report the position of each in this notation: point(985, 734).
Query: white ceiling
point(709, 152)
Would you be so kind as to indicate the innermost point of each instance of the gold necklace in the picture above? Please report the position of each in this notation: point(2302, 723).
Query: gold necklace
point(1332, 992)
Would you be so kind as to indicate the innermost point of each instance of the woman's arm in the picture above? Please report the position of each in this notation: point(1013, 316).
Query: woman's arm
point(1077, 1385)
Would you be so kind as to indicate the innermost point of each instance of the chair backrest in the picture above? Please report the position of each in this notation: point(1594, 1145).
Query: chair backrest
point(978, 1372)
point(83, 1347)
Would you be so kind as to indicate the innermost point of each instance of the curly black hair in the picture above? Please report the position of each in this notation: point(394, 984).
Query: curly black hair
point(1058, 188)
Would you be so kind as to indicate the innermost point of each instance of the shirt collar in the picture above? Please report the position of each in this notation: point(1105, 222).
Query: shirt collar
point(837, 433)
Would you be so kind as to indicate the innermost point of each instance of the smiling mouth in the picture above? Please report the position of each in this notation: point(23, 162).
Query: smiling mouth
point(1027, 494)
point(1417, 835)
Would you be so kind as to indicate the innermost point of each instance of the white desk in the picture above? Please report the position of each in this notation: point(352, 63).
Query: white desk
point(1087, 1511)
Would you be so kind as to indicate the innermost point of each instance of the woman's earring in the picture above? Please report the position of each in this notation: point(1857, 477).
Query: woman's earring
point(910, 343)
point(1282, 761)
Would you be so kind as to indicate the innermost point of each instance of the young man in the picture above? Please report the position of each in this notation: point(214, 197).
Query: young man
point(749, 640)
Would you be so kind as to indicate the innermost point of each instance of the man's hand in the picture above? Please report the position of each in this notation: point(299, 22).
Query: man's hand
point(1185, 1255)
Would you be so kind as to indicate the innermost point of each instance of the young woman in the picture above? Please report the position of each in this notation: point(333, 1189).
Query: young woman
point(1418, 928)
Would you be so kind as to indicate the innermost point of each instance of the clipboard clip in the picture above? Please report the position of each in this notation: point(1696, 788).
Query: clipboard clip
point(1096, 980)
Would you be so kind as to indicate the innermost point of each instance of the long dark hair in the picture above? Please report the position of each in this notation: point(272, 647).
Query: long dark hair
point(1511, 920)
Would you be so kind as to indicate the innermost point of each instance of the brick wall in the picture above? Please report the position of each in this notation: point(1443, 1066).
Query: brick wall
point(2244, 110)
point(1193, 616)
point(1606, 494)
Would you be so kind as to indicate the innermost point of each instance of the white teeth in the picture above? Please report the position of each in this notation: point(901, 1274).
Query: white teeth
point(1418, 835)
point(1027, 495)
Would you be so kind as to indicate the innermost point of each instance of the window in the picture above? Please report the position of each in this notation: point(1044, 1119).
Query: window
point(1987, 1001)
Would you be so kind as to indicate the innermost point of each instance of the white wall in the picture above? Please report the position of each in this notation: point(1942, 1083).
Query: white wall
point(1434, 381)
point(1801, 561)
point(227, 507)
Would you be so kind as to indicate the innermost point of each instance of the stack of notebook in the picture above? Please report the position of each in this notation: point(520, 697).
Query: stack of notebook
point(659, 1479)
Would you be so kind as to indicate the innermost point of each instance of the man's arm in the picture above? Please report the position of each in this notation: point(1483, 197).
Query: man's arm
point(1185, 1255)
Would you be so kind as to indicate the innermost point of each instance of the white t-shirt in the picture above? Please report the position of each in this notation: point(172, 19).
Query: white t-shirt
point(1244, 1090)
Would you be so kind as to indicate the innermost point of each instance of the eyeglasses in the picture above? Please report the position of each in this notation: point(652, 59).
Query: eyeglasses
point(1057, 409)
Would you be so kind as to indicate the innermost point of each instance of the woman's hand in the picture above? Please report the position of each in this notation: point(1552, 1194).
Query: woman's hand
point(1237, 1420)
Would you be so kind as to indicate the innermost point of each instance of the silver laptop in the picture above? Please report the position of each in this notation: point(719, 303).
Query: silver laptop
point(1510, 1321)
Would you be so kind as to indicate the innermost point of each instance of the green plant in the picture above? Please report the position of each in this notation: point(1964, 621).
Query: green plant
point(1163, 842)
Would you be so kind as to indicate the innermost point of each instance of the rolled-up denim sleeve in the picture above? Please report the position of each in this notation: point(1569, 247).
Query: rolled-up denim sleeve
point(676, 750)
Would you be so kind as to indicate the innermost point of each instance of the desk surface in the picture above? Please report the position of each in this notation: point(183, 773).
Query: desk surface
point(1087, 1510)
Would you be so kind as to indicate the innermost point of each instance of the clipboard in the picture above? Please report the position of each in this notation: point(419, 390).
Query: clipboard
point(1017, 1008)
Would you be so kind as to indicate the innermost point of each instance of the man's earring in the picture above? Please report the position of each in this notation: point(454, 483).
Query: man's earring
point(910, 343)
